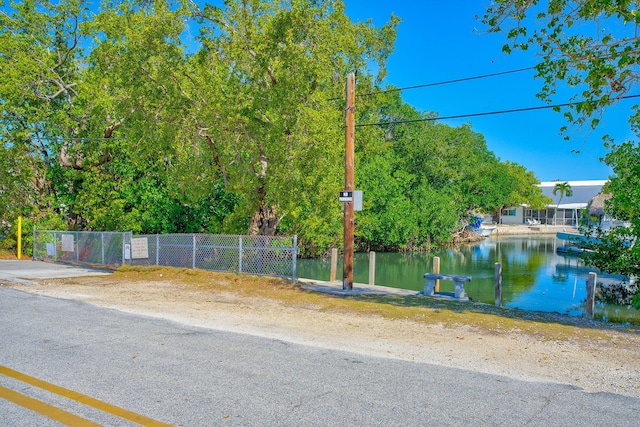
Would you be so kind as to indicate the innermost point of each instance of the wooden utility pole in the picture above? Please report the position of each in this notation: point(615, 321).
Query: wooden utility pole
point(347, 273)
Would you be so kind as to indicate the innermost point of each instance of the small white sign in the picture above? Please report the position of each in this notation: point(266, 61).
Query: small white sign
point(67, 243)
point(139, 248)
point(357, 200)
point(127, 251)
point(51, 250)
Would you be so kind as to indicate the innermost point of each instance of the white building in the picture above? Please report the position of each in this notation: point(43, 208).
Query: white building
point(568, 212)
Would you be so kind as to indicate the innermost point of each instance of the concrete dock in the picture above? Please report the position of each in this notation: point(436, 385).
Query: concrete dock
point(524, 230)
point(335, 287)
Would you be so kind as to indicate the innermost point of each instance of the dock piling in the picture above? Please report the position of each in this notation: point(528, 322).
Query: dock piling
point(498, 281)
point(372, 268)
point(591, 293)
point(334, 264)
point(436, 270)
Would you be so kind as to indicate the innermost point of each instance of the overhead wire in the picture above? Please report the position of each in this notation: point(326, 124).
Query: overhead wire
point(486, 113)
point(445, 82)
point(463, 79)
point(61, 138)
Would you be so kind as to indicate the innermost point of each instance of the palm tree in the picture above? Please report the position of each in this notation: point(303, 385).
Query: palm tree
point(565, 190)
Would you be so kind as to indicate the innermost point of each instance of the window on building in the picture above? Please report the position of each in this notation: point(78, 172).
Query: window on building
point(508, 212)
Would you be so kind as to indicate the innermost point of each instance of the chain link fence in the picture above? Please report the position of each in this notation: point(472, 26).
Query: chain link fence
point(81, 247)
point(258, 255)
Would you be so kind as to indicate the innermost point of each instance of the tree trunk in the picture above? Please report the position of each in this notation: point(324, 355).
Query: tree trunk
point(264, 222)
point(495, 215)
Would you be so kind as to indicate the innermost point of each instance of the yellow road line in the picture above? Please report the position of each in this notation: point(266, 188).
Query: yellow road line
point(84, 399)
point(45, 409)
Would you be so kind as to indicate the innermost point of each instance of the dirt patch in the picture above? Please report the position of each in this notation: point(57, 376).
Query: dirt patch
point(595, 358)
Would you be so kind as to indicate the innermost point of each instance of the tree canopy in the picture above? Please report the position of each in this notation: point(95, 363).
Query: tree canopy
point(591, 46)
point(169, 116)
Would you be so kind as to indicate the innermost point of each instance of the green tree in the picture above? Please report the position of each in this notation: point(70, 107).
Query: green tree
point(92, 117)
point(526, 191)
point(403, 210)
point(590, 46)
point(15, 187)
point(617, 250)
point(262, 91)
point(422, 180)
point(565, 190)
point(39, 58)
point(111, 122)
point(154, 181)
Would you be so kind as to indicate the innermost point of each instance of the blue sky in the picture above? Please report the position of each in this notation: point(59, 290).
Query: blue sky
point(436, 42)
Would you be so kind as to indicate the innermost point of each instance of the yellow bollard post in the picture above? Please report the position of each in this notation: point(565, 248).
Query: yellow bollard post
point(19, 236)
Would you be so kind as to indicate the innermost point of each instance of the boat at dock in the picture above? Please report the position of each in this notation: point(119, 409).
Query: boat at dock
point(481, 229)
point(485, 230)
point(576, 243)
point(577, 239)
point(569, 250)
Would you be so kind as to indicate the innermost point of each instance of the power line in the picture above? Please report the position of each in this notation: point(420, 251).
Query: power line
point(487, 113)
point(60, 138)
point(446, 82)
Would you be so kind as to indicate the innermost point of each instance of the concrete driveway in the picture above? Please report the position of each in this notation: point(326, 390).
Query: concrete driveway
point(22, 271)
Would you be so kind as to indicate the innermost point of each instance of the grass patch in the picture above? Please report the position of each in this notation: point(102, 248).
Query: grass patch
point(4, 254)
point(547, 326)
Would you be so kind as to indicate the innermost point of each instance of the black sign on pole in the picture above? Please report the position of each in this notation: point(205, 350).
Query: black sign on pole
point(346, 196)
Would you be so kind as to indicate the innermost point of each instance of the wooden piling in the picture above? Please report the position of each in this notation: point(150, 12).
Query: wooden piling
point(498, 282)
point(436, 270)
point(334, 264)
point(591, 294)
point(372, 268)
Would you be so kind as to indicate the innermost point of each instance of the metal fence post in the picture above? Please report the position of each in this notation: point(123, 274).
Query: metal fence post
point(295, 258)
point(240, 254)
point(77, 247)
point(125, 235)
point(102, 246)
point(157, 249)
point(33, 256)
point(55, 245)
point(193, 258)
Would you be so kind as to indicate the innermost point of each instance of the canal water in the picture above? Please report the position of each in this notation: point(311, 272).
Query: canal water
point(535, 277)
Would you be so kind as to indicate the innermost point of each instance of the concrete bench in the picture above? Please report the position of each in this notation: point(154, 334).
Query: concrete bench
point(458, 285)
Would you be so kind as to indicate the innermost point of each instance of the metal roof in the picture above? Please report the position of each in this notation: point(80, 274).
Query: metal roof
point(583, 191)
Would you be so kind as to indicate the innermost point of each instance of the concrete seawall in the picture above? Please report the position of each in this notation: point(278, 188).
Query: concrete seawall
point(504, 229)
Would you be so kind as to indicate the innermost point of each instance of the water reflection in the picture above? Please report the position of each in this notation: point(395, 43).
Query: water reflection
point(534, 276)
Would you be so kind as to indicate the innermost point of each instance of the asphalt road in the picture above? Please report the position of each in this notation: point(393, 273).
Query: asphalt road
point(186, 376)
